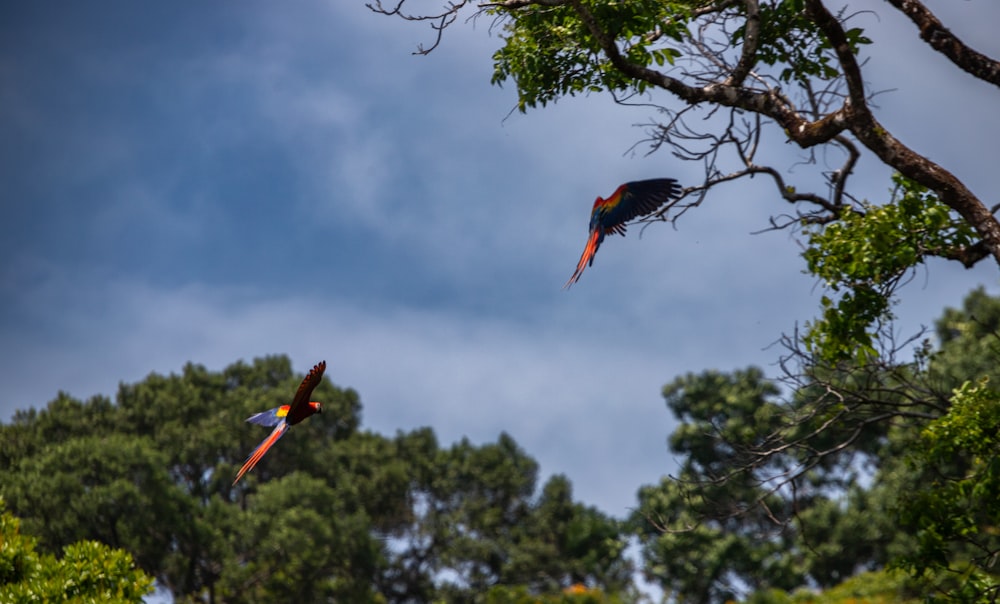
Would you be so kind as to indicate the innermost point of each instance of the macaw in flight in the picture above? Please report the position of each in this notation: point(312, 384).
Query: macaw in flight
point(630, 200)
point(284, 416)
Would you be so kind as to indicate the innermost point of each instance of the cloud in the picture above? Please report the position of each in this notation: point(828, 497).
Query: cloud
point(294, 181)
point(578, 388)
point(464, 376)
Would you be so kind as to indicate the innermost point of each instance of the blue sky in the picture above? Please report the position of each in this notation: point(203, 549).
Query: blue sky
point(211, 182)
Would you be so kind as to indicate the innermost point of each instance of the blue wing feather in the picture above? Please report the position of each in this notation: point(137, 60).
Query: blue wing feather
point(271, 417)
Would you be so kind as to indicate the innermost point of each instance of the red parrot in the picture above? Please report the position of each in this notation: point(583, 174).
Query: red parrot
point(632, 199)
point(284, 416)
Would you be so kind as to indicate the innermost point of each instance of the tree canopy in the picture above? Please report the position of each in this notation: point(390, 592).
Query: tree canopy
point(335, 513)
point(856, 480)
point(878, 469)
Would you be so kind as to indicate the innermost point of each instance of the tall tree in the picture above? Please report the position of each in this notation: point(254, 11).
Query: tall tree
point(479, 522)
point(337, 514)
point(952, 473)
point(728, 509)
point(854, 469)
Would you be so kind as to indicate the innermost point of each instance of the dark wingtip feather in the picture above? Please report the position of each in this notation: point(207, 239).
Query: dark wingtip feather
point(642, 197)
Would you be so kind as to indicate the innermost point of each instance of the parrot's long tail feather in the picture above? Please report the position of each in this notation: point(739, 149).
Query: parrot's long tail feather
point(587, 258)
point(261, 449)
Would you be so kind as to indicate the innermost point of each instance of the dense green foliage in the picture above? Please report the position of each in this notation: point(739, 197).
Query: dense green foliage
point(865, 256)
point(780, 491)
point(88, 572)
point(862, 468)
point(952, 506)
point(549, 52)
point(333, 513)
point(881, 587)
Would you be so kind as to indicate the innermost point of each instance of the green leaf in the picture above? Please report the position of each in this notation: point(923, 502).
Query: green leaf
point(865, 256)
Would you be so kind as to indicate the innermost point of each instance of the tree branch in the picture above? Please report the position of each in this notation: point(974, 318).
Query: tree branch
point(771, 103)
point(751, 38)
point(942, 40)
point(894, 153)
point(826, 115)
point(439, 21)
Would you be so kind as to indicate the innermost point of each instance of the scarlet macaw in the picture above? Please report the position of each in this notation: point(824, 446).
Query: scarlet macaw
point(284, 416)
point(630, 200)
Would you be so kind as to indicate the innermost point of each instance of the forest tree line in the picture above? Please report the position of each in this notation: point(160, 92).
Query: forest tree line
point(876, 479)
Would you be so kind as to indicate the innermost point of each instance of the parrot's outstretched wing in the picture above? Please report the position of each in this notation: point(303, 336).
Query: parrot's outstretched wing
point(297, 411)
point(630, 200)
point(637, 198)
point(271, 417)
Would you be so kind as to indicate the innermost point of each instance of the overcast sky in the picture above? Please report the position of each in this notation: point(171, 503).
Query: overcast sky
point(211, 182)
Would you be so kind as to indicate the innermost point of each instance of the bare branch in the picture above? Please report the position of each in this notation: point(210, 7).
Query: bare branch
point(832, 410)
point(439, 21)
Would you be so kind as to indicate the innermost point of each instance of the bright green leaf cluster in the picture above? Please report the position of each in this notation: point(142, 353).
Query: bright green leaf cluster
point(549, 52)
point(88, 572)
point(865, 255)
